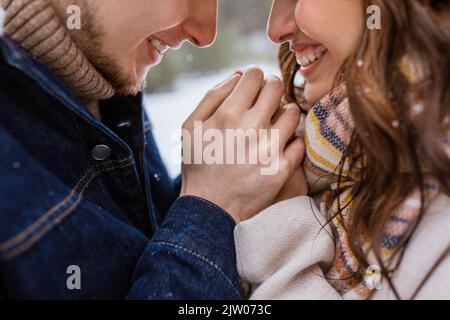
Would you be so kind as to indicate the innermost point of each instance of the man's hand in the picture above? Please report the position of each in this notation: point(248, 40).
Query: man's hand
point(245, 102)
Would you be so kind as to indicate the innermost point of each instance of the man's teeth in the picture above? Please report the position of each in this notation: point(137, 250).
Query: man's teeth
point(305, 60)
point(159, 45)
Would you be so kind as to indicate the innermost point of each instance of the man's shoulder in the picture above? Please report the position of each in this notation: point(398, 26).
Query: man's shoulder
point(21, 98)
point(15, 83)
point(23, 76)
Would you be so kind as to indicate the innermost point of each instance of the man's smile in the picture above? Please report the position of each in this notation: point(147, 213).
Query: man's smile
point(160, 46)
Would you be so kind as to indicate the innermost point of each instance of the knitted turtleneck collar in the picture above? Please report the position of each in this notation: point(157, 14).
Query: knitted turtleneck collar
point(35, 26)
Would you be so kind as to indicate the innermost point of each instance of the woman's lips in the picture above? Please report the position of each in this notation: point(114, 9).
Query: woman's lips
point(310, 69)
point(308, 57)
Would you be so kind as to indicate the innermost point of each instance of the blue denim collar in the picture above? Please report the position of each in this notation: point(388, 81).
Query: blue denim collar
point(18, 58)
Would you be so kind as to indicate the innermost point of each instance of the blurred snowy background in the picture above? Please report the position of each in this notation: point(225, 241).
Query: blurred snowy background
point(177, 85)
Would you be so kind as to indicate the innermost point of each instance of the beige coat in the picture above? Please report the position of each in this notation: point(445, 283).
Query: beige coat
point(281, 254)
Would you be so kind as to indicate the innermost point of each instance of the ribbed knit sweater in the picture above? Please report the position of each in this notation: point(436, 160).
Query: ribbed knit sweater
point(35, 25)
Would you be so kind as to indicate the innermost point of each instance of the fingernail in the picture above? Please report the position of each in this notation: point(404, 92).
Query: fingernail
point(226, 80)
point(237, 73)
point(252, 66)
point(292, 108)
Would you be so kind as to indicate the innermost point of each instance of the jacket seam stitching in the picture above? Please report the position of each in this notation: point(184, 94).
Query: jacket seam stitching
point(212, 205)
point(202, 258)
point(19, 242)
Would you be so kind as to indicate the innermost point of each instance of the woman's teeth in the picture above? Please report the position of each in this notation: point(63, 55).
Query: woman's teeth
point(160, 46)
point(308, 57)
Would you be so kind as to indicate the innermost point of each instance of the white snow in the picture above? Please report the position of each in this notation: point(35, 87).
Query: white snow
point(2, 20)
point(169, 110)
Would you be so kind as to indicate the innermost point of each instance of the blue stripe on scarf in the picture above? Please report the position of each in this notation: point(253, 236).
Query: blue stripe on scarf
point(322, 114)
point(390, 241)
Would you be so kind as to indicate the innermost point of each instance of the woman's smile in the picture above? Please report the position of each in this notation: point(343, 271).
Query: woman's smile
point(308, 56)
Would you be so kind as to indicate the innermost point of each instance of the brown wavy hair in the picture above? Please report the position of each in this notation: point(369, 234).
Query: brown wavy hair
point(396, 158)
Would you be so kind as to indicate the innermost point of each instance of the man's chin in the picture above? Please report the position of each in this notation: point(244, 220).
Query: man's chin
point(131, 89)
point(127, 85)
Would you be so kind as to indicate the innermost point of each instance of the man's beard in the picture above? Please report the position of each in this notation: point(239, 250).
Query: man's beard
point(88, 40)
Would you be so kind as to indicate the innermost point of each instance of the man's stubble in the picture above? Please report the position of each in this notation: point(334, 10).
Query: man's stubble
point(89, 40)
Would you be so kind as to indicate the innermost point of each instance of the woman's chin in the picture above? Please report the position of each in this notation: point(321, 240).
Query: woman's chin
point(314, 92)
point(312, 96)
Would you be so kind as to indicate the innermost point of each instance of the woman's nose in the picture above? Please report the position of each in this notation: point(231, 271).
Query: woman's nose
point(282, 26)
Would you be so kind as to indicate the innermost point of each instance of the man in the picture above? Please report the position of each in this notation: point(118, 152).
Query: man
point(87, 209)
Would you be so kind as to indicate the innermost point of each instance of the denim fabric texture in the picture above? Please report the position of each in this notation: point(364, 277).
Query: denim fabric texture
point(77, 191)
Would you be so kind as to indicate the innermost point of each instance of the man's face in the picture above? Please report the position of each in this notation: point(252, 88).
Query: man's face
point(123, 39)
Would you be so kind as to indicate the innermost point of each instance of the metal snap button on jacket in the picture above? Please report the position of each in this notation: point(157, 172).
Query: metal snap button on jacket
point(124, 124)
point(101, 152)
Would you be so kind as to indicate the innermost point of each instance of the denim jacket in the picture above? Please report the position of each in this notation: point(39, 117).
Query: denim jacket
point(87, 209)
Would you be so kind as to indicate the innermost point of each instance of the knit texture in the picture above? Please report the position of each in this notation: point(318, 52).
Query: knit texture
point(285, 251)
point(280, 253)
point(35, 26)
point(328, 132)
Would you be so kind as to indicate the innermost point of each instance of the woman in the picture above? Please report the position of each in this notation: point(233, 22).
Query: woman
point(377, 161)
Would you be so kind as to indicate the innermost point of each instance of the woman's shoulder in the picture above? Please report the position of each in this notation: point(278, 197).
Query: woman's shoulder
point(439, 206)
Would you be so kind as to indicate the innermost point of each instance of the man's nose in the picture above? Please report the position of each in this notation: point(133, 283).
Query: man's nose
point(203, 35)
point(202, 27)
point(282, 25)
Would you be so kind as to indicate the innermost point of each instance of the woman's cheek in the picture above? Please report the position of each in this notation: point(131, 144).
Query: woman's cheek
point(303, 17)
point(311, 16)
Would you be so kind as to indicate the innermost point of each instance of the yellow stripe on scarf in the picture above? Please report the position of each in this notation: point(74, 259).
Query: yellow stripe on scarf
point(315, 157)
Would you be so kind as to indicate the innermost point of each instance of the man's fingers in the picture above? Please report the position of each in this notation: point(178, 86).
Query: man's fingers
point(245, 93)
point(238, 72)
point(287, 123)
point(212, 100)
point(269, 99)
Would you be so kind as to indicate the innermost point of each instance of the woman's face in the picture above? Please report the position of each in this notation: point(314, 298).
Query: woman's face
point(321, 33)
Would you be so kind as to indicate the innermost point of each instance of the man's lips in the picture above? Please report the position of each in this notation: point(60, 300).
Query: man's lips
point(157, 47)
point(153, 54)
point(160, 46)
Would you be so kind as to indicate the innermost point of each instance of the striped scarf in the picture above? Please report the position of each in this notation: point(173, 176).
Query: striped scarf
point(328, 132)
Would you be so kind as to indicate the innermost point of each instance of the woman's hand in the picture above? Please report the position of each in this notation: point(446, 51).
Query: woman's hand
point(295, 186)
